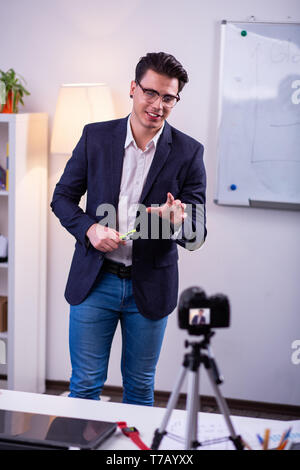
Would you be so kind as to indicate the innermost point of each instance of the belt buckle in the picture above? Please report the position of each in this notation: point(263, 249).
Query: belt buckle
point(125, 272)
point(121, 270)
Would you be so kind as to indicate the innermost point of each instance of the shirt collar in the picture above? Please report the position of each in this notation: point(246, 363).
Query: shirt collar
point(130, 138)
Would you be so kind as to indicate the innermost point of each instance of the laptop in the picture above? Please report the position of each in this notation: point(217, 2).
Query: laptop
point(31, 431)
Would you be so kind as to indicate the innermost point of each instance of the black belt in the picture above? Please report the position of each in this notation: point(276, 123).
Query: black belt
point(115, 268)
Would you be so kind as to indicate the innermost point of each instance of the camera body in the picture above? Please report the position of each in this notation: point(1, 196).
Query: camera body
point(198, 313)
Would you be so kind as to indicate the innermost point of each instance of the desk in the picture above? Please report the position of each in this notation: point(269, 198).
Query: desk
point(145, 418)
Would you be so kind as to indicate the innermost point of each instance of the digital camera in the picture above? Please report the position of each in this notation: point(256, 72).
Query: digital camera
point(198, 313)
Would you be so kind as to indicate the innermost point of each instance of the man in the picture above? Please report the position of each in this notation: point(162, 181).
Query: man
point(199, 318)
point(139, 161)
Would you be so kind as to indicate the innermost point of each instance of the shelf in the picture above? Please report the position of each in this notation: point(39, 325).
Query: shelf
point(27, 135)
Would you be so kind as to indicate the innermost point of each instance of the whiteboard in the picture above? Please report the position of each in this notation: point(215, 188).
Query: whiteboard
point(259, 115)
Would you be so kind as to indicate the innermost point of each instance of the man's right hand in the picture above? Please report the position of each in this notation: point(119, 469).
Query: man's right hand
point(104, 238)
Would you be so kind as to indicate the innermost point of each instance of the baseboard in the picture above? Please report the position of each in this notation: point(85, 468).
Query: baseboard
point(206, 401)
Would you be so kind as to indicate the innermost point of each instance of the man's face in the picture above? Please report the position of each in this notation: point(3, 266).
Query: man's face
point(152, 116)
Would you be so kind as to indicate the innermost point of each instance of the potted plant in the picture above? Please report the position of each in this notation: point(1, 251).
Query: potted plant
point(14, 91)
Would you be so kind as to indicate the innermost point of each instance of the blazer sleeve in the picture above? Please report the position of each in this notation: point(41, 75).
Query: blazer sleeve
point(192, 233)
point(69, 190)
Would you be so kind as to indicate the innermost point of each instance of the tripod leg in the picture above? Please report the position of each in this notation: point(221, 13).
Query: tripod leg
point(225, 411)
point(159, 433)
point(192, 410)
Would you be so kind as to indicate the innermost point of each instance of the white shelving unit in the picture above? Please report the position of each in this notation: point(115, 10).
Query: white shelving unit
point(23, 219)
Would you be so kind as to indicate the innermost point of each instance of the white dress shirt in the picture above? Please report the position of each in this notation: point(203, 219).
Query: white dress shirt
point(136, 165)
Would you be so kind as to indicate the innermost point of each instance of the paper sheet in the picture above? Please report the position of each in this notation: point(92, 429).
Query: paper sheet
point(213, 426)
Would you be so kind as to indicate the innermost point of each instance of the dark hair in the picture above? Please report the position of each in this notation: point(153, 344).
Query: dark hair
point(162, 63)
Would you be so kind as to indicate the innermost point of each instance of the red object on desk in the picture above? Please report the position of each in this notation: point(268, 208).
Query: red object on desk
point(133, 434)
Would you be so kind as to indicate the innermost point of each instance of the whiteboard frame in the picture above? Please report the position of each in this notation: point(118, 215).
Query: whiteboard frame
point(252, 202)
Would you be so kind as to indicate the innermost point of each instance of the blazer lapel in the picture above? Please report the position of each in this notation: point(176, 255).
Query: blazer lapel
point(159, 159)
point(116, 160)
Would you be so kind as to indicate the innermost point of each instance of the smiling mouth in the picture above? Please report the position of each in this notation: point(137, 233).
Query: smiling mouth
point(153, 115)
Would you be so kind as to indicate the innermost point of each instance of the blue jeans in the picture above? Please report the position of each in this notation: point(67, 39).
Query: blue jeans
point(92, 327)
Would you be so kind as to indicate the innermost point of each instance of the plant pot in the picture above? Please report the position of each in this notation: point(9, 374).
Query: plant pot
point(8, 107)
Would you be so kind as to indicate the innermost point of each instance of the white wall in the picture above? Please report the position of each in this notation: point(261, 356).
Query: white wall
point(252, 255)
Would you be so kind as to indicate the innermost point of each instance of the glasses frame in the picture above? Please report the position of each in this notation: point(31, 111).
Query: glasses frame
point(144, 90)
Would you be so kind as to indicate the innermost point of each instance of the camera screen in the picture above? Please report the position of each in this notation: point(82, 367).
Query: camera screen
point(199, 316)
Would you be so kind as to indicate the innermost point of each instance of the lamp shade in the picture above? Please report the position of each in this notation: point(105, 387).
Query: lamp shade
point(78, 105)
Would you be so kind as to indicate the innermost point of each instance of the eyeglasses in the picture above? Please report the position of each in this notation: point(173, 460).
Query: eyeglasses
point(151, 96)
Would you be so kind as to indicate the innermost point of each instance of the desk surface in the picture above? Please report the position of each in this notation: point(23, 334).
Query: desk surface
point(145, 418)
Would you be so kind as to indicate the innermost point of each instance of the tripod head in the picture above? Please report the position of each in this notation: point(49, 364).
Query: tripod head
point(193, 359)
point(202, 344)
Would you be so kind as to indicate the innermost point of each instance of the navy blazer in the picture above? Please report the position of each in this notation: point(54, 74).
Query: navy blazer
point(96, 167)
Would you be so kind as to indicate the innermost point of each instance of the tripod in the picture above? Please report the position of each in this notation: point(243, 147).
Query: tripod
point(191, 364)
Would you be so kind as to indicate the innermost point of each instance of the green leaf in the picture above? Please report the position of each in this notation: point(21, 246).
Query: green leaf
point(15, 97)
